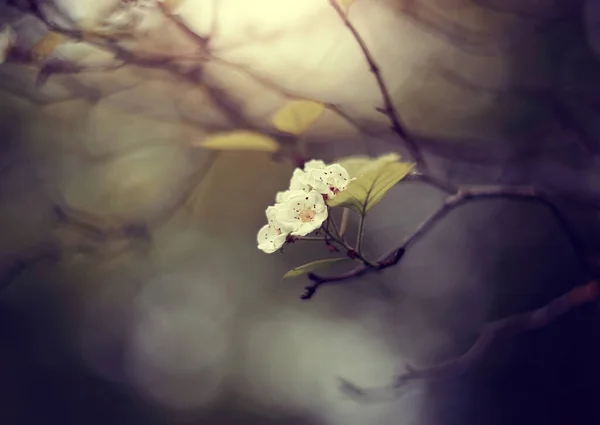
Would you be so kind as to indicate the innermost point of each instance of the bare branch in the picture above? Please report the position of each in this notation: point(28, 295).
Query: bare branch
point(389, 109)
point(462, 196)
point(13, 265)
point(503, 328)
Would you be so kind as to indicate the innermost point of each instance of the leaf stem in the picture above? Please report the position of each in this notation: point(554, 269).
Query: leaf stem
point(342, 242)
point(336, 229)
point(344, 223)
point(359, 236)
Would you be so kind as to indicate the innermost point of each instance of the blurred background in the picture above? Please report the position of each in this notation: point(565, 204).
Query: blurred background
point(152, 304)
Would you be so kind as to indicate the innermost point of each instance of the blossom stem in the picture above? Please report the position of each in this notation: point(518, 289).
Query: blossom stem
point(337, 230)
point(310, 238)
point(341, 241)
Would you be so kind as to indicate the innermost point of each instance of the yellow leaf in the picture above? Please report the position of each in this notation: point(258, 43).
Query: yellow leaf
point(230, 203)
point(171, 5)
point(46, 45)
point(345, 4)
point(7, 41)
point(312, 266)
point(374, 178)
point(240, 141)
point(297, 116)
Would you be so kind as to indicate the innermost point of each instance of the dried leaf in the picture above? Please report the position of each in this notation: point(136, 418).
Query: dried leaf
point(240, 141)
point(46, 45)
point(373, 179)
point(312, 266)
point(297, 116)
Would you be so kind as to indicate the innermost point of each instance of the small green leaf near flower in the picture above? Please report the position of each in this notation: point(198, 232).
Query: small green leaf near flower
point(312, 266)
point(373, 179)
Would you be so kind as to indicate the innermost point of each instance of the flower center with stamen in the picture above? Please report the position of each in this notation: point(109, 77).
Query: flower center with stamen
point(307, 215)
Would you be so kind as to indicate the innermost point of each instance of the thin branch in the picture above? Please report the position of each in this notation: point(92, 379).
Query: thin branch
point(558, 107)
point(268, 84)
point(310, 290)
point(201, 41)
point(463, 196)
point(503, 328)
point(389, 108)
point(15, 264)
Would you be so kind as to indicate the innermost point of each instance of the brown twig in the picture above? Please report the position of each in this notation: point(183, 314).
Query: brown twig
point(503, 328)
point(461, 197)
point(389, 109)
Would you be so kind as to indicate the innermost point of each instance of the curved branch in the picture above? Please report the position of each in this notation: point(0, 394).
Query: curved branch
point(463, 196)
point(503, 328)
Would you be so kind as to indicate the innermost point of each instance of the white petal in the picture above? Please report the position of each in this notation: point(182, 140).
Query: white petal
point(269, 240)
point(290, 215)
point(314, 164)
point(321, 217)
point(304, 229)
point(281, 197)
point(338, 171)
point(299, 180)
point(271, 211)
point(329, 180)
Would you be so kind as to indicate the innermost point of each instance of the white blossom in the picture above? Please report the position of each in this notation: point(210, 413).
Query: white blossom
point(314, 164)
point(303, 212)
point(329, 180)
point(272, 235)
point(299, 181)
point(326, 179)
point(281, 197)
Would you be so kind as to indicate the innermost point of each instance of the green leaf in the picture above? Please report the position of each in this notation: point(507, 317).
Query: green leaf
point(360, 164)
point(312, 266)
point(374, 177)
point(240, 141)
point(297, 116)
point(355, 165)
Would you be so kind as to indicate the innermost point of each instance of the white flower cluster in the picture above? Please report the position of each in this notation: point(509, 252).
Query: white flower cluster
point(301, 209)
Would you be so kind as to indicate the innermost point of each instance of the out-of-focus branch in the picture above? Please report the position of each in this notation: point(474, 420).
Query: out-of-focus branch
point(389, 109)
point(168, 62)
point(562, 113)
point(102, 229)
point(14, 264)
point(503, 328)
point(98, 229)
